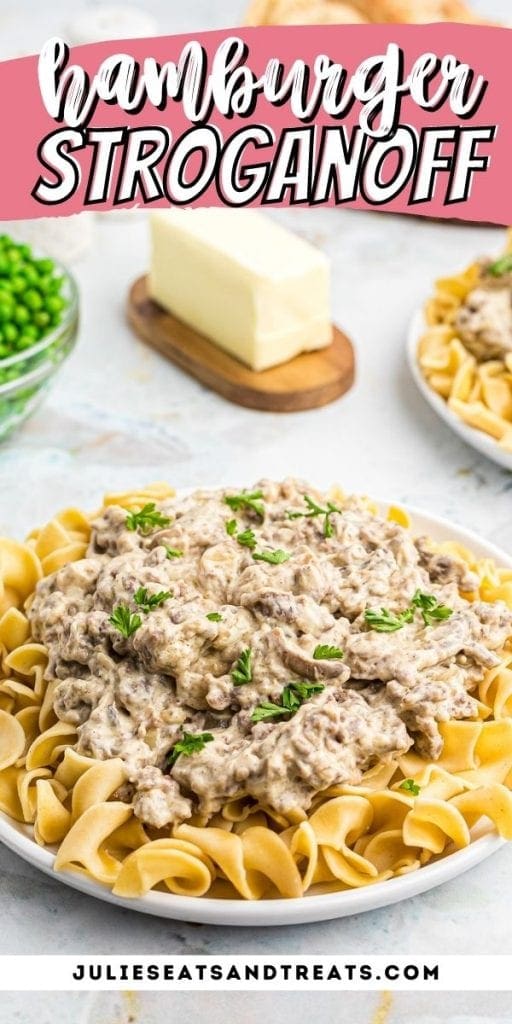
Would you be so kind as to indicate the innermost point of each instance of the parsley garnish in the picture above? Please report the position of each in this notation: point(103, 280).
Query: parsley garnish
point(242, 671)
point(385, 621)
point(125, 621)
point(410, 786)
point(292, 697)
point(247, 539)
point(192, 743)
point(173, 553)
point(214, 616)
point(294, 694)
point(501, 266)
point(315, 510)
point(247, 500)
point(147, 602)
point(272, 557)
point(147, 519)
point(268, 710)
point(430, 608)
point(323, 652)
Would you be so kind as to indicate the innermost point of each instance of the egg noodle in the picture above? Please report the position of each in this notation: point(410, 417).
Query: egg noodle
point(479, 393)
point(352, 836)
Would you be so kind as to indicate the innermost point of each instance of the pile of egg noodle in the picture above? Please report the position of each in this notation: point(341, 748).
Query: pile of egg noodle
point(480, 394)
point(352, 836)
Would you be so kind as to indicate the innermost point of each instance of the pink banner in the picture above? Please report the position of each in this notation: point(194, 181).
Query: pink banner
point(413, 119)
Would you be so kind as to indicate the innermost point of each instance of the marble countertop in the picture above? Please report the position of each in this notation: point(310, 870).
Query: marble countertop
point(255, 1007)
point(119, 414)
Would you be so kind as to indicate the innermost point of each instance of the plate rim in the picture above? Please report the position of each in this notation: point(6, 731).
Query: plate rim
point(476, 439)
point(281, 912)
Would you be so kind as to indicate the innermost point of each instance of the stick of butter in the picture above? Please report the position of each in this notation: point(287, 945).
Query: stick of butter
point(255, 289)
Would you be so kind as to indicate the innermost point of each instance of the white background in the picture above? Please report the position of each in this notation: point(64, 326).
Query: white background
point(120, 415)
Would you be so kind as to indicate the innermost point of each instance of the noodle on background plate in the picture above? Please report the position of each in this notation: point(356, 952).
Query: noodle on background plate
point(478, 392)
point(352, 836)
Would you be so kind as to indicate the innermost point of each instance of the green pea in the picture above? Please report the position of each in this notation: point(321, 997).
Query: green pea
point(43, 282)
point(31, 276)
point(45, 266)
point(42, 318)
point(18, 284)
point(31, 331)
point(25, 341)
point(55, 284)
point(4, 265)
point(6, 310)
point(12, 373)
point(21, 315)
point(13, 254)
point(32, 299)
point(25, 251)
point(10, 333)
point(54, 303)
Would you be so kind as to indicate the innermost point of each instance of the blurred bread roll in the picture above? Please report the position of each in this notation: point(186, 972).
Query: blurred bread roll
point(357, 12)
point(303, 12)
point(418, 11)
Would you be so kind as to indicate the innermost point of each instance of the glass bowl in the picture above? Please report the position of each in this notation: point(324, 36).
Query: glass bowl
point(26, 377)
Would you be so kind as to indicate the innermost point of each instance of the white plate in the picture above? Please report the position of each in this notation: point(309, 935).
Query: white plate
point(483, 443)
point(310, 908)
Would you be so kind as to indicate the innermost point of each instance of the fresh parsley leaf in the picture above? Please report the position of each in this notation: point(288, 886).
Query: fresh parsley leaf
point(214, 616)
point(302, 690)
point(173, 553)
point(501, 266)
point(125, 621)
point(146, 520)
point(242, 671)
point(292, 698)
point(272, 557)
point(268, 710)
point(314, 510)
point(247, 500)
point(323, 652)
point(386, 621)
point(438, 614)
point(147, 602)
point(247, 539)
point(410, 786)
point(192, 743)
point(430, 608)
point(328, 524)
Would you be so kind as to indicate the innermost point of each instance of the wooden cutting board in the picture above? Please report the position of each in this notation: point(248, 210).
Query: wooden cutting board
point(310, 380)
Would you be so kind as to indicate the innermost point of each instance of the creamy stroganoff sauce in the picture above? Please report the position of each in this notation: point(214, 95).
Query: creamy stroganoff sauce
point(305, 616)
point(484, 319)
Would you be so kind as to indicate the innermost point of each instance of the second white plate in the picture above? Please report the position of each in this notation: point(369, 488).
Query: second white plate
point(475, 438)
